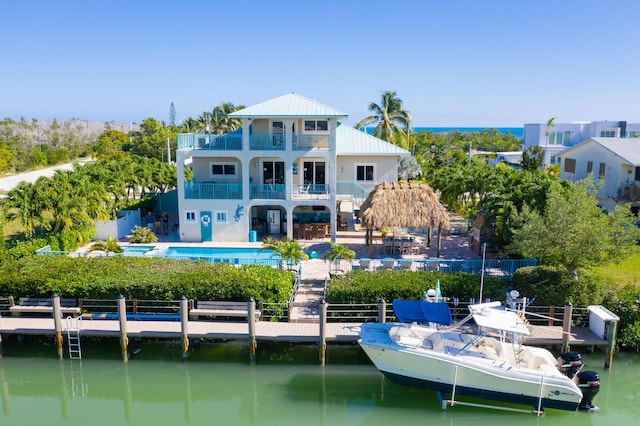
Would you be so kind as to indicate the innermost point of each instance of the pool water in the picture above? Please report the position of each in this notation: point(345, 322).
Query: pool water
point(236, 254)
point(136, 249)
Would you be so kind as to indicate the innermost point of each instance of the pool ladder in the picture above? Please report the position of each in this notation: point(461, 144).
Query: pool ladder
point(74, 325)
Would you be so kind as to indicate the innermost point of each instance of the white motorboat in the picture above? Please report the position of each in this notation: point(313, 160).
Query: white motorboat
point(491, 362)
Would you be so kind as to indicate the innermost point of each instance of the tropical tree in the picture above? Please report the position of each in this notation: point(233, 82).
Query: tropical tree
point(532, 158)
point(25, 203)
point(338, 251)
point(221, 123)
point(572, 231)
point(548, 132)
point(393, 122)
point(289, 250)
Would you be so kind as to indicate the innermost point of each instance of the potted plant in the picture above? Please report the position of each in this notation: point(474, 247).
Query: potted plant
point(289, 250)
point(385, 230)
point(338, 251)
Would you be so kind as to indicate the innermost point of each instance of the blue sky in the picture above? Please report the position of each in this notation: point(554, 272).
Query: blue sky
point(452, 62)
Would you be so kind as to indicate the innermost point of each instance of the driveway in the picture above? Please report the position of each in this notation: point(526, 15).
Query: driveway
point(10, 182)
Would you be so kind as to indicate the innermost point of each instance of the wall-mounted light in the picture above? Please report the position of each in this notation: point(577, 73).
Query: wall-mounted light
point(257, 165)
point(341, 169)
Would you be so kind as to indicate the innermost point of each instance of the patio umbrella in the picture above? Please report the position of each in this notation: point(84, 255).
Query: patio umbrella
point(407, 205)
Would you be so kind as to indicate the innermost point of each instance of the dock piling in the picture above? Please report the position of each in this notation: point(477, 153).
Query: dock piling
point(251, 309)
point(566, 327)
point(57, 321)
point(184, 323)
point(122, 315)
point(382, 311)
point(323, 332)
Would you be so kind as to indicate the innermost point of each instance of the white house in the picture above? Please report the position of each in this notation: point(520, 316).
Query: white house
point(614, 160)
point(555, 139)
point(287, 171)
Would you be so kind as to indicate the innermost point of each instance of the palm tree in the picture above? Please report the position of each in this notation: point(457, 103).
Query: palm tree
point(394, 123)
point(221, 123)
point(289, 250)
point(338, 251)
point(548, 132)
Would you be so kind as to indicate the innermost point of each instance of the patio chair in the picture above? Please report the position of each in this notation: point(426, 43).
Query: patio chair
point(388, 264)
point(406, 265)
point(365, 264)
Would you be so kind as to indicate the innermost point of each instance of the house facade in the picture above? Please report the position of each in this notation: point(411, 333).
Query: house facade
point(616, 161)
point(292, 169)
point(557, 138)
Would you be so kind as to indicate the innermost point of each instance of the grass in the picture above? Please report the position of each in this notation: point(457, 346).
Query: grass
point(625, 272)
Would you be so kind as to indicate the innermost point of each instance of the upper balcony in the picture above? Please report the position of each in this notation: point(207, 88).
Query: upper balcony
point(257, 142)
point(630, 192)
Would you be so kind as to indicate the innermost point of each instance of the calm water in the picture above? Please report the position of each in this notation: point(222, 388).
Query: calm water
point(218, 386)
point(226, 252)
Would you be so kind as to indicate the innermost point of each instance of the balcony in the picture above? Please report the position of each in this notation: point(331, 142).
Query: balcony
point(267, 142)
point(270, 191)
point(310, 142)
point(228, 142)
point(630, 192)
point(310, 192)
point(212, 191)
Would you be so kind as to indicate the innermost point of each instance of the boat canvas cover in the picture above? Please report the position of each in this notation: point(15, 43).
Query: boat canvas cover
point(493, 316)
point(422, 311)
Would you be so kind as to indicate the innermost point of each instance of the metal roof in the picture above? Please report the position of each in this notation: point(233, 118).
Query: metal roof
point(626, 148)
point(291, 105)
point(350, 141)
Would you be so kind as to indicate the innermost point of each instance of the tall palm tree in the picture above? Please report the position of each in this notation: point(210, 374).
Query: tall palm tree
point(289, 250)
point(393, 122)
point(221, 123)
point(548, 132)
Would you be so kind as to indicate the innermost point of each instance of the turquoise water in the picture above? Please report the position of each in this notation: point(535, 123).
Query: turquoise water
point(221, 252)
point(136, 249)
point(286, 386)
point(517, 132)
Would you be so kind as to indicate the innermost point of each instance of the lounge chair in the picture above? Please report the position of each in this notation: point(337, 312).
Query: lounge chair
point(406, 265)
point(388, 263)
point(365, 264)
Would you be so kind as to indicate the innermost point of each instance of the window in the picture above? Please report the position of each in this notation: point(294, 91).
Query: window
point(560, 138)
point(589, 166)
point(602, 167)
point(637, 173)
point(554, 160)
point(220, 216)
point(190, 216)
point(365, 172)
point(316, 125)
point(570, 165)
point(609, 133)
point(633, 134)
point(223, 169)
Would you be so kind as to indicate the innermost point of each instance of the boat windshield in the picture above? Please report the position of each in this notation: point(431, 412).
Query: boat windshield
point(494, 316)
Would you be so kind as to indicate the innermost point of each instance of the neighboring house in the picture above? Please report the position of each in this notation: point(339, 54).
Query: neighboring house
point(555, 139)
point(286, 171)
point(614, 160)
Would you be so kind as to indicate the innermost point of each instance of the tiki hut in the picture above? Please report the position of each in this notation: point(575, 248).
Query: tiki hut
point(407, 205)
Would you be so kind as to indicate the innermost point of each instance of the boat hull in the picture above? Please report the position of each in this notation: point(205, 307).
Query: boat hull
point(470, 374)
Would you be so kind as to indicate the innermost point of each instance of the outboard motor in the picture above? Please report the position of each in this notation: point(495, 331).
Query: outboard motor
point(589, 384)
point(570, 363)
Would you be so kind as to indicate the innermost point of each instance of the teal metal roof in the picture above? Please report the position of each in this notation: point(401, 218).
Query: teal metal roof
point(291, 105)
point(350, 141)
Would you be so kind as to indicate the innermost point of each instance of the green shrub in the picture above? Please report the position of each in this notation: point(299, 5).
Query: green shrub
point(367, 287)
point(142, 278)
point(553, 286)
point(142, 235)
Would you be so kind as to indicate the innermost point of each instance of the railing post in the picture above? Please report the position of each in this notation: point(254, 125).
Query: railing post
point(552, 312)
point(566, 326)
point(323, 332)
point(252, 328)
point(122, 316)
point(184, 323)
point(57, 321)
point(382, 311)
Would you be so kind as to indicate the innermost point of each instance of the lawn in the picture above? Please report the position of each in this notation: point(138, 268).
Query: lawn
point(625, 272)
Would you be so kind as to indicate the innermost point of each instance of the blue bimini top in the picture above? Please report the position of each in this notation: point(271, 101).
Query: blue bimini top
point(422, 311)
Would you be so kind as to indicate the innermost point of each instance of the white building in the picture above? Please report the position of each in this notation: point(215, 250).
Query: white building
point(555, 139)
point(614, 160)
point(287, 171)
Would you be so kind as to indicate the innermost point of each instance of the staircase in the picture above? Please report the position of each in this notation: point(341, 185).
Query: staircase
point(306, 305)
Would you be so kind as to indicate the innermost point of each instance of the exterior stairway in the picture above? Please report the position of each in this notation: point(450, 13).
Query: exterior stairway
point(306, 305)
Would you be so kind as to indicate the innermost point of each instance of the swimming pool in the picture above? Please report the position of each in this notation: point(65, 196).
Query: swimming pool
point(236, 255)
point(136, 250)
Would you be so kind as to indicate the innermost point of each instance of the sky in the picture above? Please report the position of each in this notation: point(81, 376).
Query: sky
point(462, 63)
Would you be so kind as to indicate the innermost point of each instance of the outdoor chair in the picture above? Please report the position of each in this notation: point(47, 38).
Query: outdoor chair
point(388, 264)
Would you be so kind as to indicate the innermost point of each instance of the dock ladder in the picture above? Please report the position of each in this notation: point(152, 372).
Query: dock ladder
point(74, 325)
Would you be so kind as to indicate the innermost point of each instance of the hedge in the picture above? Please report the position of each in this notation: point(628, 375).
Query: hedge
point(141, 278)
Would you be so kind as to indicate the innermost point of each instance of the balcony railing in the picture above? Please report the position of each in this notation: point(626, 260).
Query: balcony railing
point(228, 142)
point(267, 142)
point(271, 191)
point(310, 192)
point(309, 142)
point(629, 192)
point(212, 191)
point(353, 190)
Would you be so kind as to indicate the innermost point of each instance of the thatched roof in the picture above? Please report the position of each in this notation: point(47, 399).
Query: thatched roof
point(411, 205)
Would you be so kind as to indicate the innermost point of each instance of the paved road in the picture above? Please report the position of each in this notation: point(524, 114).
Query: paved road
point(10, 182)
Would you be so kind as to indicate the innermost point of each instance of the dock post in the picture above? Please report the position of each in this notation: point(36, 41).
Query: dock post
point(566, 326)
point(323, 332)
point(252, 328)
point(184, 322)
point(612, 327)
point(122, 315)
point(382, 311)
point(57, 321)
